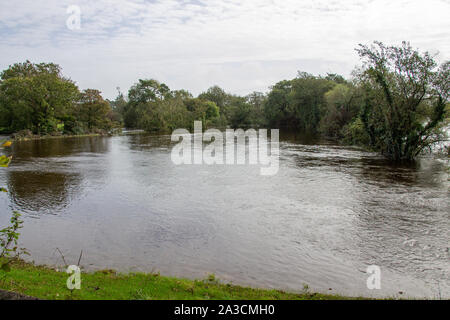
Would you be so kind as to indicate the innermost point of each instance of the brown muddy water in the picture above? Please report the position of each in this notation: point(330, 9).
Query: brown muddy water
point(330, 212)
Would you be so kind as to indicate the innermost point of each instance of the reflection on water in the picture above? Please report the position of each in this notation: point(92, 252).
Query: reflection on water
point(37, 192)
point(329, 213)
point(60, 147)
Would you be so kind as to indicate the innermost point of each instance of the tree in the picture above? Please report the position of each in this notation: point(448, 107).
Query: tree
point(257, 100)
point(220, 98)
point(148, 91)
point(35, 97)
point(405, 98)
point(118, 106)
point(182, 94)
point(342, 106)
point(175, 114)
point(142, 95)
point(276, 107)
point(335, 78)
point(202, 110)
point(93, 110)
point(307, 100)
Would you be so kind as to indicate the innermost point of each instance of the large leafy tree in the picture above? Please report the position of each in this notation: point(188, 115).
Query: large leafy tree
point(343, 104)
point(35, 96)
point(307, 102)
point(118, 106)
point(142, 96)
point(221, 98)
point(93, 110)
point(300, 102)
point(148, 91)
point(405, 98)
point(257, 100)
point(240, 112)
point(276, 107)
point(202, 110)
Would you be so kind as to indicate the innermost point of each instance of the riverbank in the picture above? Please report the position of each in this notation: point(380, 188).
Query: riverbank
point(28, 136)
point(59, 137)
point(44, 282)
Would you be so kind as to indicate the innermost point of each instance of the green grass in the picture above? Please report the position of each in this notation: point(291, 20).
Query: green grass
point(46, 283)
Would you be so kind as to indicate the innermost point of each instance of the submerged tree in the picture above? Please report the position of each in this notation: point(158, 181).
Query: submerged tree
point(342, 106)
point(405, 98)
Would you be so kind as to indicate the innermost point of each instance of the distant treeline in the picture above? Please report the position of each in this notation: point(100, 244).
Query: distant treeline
point(396, 103)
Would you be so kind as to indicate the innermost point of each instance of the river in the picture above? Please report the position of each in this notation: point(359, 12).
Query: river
point(328, 213)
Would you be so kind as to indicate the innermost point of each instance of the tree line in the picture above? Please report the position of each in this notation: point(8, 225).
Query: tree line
point(395, 103)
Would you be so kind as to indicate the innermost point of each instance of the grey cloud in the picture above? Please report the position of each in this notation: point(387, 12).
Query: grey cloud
point(241, 45)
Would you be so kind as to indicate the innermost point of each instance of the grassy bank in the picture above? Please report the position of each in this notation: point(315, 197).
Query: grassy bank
point(46, 283)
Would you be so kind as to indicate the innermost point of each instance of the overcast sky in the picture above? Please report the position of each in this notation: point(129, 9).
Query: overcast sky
point(241, 46)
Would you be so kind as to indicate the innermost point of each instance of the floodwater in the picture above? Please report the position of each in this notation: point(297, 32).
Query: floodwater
point(329, 213)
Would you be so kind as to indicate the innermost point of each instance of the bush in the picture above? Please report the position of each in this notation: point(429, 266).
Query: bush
point(23, 134)
point(9, 236)
point(354, 133)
